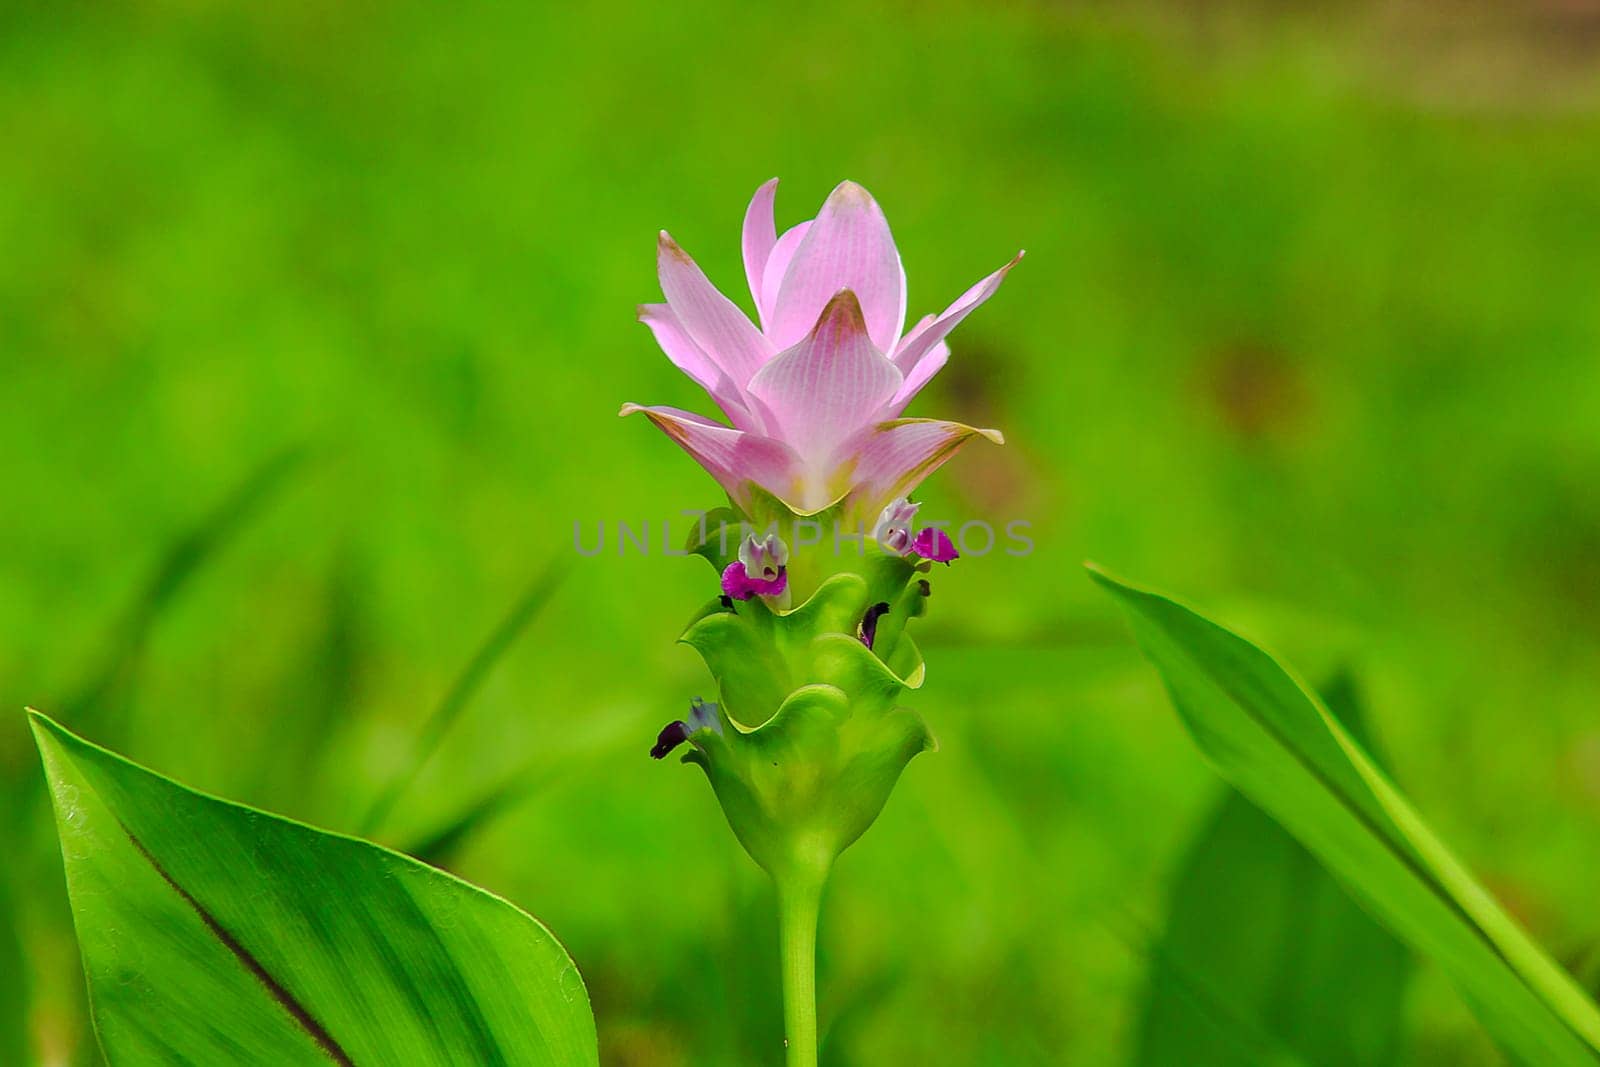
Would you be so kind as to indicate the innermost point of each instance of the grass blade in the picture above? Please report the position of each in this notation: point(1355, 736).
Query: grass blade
point(460, 694)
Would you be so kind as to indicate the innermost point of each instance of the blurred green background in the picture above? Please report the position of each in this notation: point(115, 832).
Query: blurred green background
point(314, 320)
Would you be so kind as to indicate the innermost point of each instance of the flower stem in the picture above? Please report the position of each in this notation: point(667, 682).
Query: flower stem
point(799, 907)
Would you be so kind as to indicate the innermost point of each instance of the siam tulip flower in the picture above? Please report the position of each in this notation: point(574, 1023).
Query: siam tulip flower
point(814, 393)
point(807, 738)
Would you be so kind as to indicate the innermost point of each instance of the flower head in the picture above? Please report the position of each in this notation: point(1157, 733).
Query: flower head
point(815, 392)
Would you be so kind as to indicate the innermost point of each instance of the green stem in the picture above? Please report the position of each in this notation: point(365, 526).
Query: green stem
point(799, 906)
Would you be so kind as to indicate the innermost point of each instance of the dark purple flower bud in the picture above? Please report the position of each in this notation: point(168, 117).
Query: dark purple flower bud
point(702, 716)
point(868, 632)
point(933, 543)
point(672, 735)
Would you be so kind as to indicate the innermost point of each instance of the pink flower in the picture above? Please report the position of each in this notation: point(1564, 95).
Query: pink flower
point(815, 393)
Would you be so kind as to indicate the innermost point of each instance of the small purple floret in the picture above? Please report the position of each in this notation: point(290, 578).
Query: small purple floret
point(894, 526)
point(759, 570)
point(738, 584)
point(933, 543)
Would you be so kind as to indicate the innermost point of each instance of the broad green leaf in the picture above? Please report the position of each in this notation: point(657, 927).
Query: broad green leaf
point(1273, 740)
point(1265, 959)
point(213, 933)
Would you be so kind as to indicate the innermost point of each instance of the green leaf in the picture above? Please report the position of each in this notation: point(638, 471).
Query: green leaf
point(215, 933)
point(1290, 971)
point(1273, 740)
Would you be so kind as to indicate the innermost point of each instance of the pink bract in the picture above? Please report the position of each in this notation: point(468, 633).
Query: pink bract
point(814, 394)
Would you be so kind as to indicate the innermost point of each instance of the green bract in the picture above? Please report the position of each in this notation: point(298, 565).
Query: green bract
point(812, 740)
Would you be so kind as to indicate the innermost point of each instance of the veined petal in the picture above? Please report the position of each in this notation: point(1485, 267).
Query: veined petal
point(829, 385)
point(849, 246)
point(890, 459)
point(717, 325)
point(777, 266)
point(734, 458)
point(692, 360)
point(931, 363)
point(925, 338)
point(910, 336)
point(760, 236)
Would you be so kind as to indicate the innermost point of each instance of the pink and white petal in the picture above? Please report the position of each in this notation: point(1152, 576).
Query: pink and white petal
point(714, 322)
point(829, 385)
point(910, 337)
point(777, 266)
point(913, 348)
point(891, 459)
point(760, 235)
point(734, 458)
point(692, 360)
point(930, 364)
point(849, 246)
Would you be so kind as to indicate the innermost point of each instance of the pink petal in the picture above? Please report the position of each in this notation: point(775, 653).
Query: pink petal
point(711, 319)
point(829, 385)
point(914, 348)
point(777, 266)
point(921, 374)
point(933, 543)
point(760, 236)
point(911, 335)
point(890, 459)
point(692, 360)
point(848, 247)
point(734, 458)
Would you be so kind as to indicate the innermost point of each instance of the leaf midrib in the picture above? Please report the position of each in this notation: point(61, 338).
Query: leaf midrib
point(298, 1012)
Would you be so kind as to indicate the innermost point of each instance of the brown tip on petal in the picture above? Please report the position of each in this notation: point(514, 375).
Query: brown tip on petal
point(844, 310)
point(628, 409)
point(850, 192)
point(670, 247)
